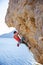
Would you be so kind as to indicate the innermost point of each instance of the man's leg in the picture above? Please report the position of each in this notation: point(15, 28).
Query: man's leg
point(27, 44)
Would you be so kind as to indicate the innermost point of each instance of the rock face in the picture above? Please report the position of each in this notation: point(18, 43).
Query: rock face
point(27, 17)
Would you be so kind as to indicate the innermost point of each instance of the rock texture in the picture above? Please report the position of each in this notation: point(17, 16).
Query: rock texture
point(27, 17)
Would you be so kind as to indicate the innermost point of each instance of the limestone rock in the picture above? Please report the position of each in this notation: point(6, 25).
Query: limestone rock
point(27, 17)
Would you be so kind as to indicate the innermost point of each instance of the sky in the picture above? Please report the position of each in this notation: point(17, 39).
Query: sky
point(3, 9)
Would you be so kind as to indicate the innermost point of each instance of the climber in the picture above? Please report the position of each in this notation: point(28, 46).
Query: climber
point(20, 40)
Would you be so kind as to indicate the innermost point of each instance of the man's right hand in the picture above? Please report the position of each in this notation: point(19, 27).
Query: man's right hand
point(17, 45)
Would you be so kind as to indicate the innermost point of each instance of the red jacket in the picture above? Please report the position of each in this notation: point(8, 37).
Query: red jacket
point(17, 38)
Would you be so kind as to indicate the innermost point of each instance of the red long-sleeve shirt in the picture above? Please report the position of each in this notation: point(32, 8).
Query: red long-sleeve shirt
point(17, 38)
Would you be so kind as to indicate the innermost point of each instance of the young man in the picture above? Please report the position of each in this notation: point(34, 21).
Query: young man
point(20, 40)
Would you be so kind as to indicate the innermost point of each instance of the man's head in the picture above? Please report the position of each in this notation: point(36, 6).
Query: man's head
point(15, 32)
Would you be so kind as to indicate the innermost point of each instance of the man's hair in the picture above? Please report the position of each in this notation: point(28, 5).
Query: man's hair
point(15, 32)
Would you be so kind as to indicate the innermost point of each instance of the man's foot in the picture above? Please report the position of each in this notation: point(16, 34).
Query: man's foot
point(29, 47)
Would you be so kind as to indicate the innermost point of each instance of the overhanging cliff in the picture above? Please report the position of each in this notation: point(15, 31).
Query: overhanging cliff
point(27, 17)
